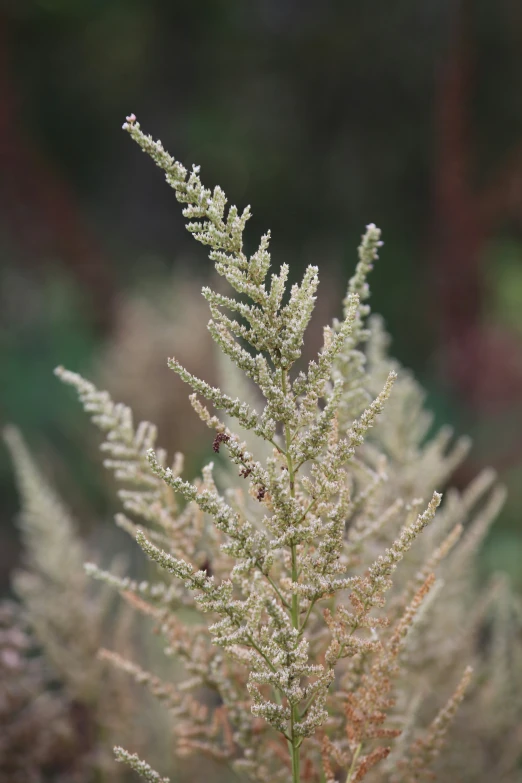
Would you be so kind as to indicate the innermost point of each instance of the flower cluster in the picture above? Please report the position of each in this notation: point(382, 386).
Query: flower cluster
point(290, 567)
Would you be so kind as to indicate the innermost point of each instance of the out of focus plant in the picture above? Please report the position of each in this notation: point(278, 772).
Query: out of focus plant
point(39, 732)
point(69, 625)
point(149, 323)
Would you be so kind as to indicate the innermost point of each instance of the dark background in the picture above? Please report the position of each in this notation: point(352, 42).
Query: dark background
point(325, 116)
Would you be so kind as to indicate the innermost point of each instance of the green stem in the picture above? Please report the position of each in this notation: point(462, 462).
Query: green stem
point(295, 762)
point(309, 612)
point(276, 446)
point(354, 762)
point(278, 592)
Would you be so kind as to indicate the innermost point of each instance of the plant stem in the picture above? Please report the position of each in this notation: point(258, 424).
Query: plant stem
point(354, 762)
point(295, 763)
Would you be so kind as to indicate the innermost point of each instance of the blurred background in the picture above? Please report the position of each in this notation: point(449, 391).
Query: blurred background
point(325, 117)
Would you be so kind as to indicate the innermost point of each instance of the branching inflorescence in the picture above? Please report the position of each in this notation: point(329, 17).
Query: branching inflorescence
point(290, 572)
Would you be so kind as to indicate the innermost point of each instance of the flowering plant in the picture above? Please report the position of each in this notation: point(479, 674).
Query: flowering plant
point(317, 656)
